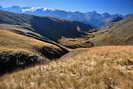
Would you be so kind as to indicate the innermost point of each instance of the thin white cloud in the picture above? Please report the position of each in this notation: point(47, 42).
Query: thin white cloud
point(31, 9)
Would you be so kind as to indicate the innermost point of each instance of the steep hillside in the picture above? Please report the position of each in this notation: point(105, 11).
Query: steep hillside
point(20, 50)
point(108, 67)
point(47, 26)
point(120, 33)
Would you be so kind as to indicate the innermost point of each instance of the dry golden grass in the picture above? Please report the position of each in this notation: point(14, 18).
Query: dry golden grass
point(12, 40)
point(20, 51)
point(121, 33)
point(107, 67)
point(80, 42)
point(103, 67)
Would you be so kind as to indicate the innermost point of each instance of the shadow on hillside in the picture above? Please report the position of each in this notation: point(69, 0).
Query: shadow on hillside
point(52, 53)
point(87, 44)
point(12, 62)
point(54, 29)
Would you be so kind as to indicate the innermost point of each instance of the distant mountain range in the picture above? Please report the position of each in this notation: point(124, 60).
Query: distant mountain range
point(93, 18)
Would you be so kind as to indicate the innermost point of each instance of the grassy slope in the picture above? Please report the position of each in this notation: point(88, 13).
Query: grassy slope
point(121, 33)
point(15, 41)
point(18, 50)
point(74, 43)
point(108, 67)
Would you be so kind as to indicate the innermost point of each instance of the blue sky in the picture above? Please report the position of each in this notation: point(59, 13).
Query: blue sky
point(111, 6)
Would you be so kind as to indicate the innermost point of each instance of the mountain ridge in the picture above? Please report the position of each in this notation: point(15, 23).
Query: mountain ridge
point(93, 18)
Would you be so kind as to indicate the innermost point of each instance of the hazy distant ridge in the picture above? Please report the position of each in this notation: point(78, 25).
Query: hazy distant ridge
point(93, 18)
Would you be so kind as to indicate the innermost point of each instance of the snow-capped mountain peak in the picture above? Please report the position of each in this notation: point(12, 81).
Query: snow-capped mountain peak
point(93, 18)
